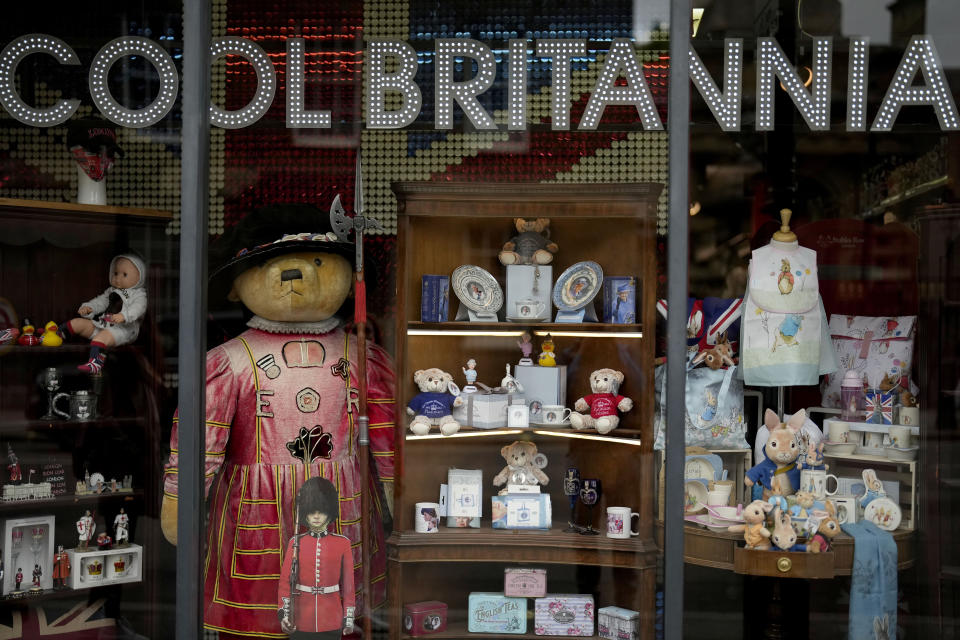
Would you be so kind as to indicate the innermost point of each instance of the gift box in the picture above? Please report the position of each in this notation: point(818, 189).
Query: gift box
point(617, 623)
point(424, 618)
point(620, 299)
point(26, 542)
point(464, 493)
point(542, 386)
point(528, 292)
point(95, 567)
point(563, 615)
point(434, 298)
point(486, 410)
point(522, 511)
point(523, 582)
point(496, 613)
point(879, 407)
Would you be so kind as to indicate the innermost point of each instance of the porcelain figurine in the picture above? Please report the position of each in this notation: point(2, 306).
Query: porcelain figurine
point(85, 528)
point(470, 373)
point(61, 568)
point(14, 474)
point(121, 527)
point(37, 574)
point(526, 348)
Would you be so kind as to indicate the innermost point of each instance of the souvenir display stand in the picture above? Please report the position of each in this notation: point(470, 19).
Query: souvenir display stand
point(99, 453)
point(442, 226)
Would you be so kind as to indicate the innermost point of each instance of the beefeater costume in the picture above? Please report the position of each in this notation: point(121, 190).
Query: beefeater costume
point(275, 384)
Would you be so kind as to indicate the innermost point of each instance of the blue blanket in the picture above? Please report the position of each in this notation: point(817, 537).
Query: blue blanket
point(873, 584)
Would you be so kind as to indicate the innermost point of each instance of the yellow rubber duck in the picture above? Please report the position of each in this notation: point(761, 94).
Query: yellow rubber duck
point(547, 357)
point(50, 337)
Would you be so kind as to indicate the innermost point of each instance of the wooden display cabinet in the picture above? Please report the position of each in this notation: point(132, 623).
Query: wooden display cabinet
point(440, 227)
point(53, 256)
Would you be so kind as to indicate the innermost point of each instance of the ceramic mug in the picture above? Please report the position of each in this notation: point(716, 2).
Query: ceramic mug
point(555, 413)
point(901, 436)
point(910, 416)
point(426, 517)
point(873, 443)
point(717, 498)
point(620, 522)
point(815, 481)
point(723, 486)
point(82, 405)
point(846, 508)
point(838, 431)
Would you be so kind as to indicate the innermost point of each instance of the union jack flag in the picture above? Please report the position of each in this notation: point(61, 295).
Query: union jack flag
point(879, 407)
point(82, 621)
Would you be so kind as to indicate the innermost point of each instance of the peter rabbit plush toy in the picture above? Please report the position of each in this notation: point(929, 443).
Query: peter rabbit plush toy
point(827, 530)
point(784, 536)
point(755, 534)
point(782, 449)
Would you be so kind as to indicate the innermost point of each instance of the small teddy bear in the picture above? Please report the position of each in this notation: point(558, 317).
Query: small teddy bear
point(520, 468)
point(532, 244)
point(603, 403)
point(434, 404)
point(755, 534)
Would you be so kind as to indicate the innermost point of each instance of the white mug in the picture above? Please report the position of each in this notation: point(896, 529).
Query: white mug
point(838, 431)
point(426, 517)
point(815, 481)
point(555, 413)
point(723, 486)
point(873, 443)
point(717, 498)
point(910, 416)
point(846, 508)
point(620, 522)
point(901, 436)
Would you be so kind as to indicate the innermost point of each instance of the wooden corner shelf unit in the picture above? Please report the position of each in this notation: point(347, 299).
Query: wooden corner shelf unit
point(440, 227)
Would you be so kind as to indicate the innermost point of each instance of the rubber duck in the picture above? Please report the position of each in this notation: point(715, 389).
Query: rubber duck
point(28, 337)
point(547, 357)
point(50, 337)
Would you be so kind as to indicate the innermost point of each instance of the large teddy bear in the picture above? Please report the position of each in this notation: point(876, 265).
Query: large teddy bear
point(434, 404)
point(603, 403)
point(288, 384)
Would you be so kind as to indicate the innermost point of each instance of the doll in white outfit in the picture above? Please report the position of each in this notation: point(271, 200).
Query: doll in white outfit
point(113, 318)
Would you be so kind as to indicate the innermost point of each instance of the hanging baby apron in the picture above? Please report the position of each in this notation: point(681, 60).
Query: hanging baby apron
point(784, 338)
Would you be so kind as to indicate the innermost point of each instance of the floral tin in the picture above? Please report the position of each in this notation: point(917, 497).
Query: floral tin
point(617, 623)
point(496, 613)
point(563, 615)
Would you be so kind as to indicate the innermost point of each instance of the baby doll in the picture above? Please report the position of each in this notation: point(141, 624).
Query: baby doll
point(112, 318)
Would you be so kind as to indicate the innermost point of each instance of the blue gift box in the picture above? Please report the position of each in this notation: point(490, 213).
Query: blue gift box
point(620, 299)
point(522, 511)
point(434, 298)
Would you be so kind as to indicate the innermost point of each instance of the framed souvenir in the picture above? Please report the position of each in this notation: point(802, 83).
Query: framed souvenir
point(883, 512)
point(479, 293)
point(575, 290)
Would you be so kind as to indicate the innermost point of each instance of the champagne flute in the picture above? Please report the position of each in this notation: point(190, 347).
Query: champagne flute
point(571, 489)
point(590, 495)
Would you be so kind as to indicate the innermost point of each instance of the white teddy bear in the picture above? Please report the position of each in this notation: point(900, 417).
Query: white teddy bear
point(603, 403)
point(434, 404)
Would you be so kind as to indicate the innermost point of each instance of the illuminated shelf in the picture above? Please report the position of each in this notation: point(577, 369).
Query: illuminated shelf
point(561, 329)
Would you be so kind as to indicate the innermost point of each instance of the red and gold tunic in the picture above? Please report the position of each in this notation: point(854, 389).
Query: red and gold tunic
point(262, 388)
point(325, 562)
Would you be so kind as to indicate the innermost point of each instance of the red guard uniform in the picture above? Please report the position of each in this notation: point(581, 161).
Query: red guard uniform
point(262, 388)
point(324, 594)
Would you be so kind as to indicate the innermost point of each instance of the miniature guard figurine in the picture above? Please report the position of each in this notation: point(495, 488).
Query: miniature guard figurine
point(121, 526)
point(13, 466)
point(526, 348)
point(37, 573)
point(18, 579)
point(85, 527)
point(61, 568)
point(470, 373)
point(316, 599)
point(112, 318)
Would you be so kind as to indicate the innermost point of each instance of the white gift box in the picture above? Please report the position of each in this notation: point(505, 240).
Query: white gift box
point(26, 542)
point(485, 410)
point(542, 386)
point(528, 292)
point(464, 493)
point(94, 567)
